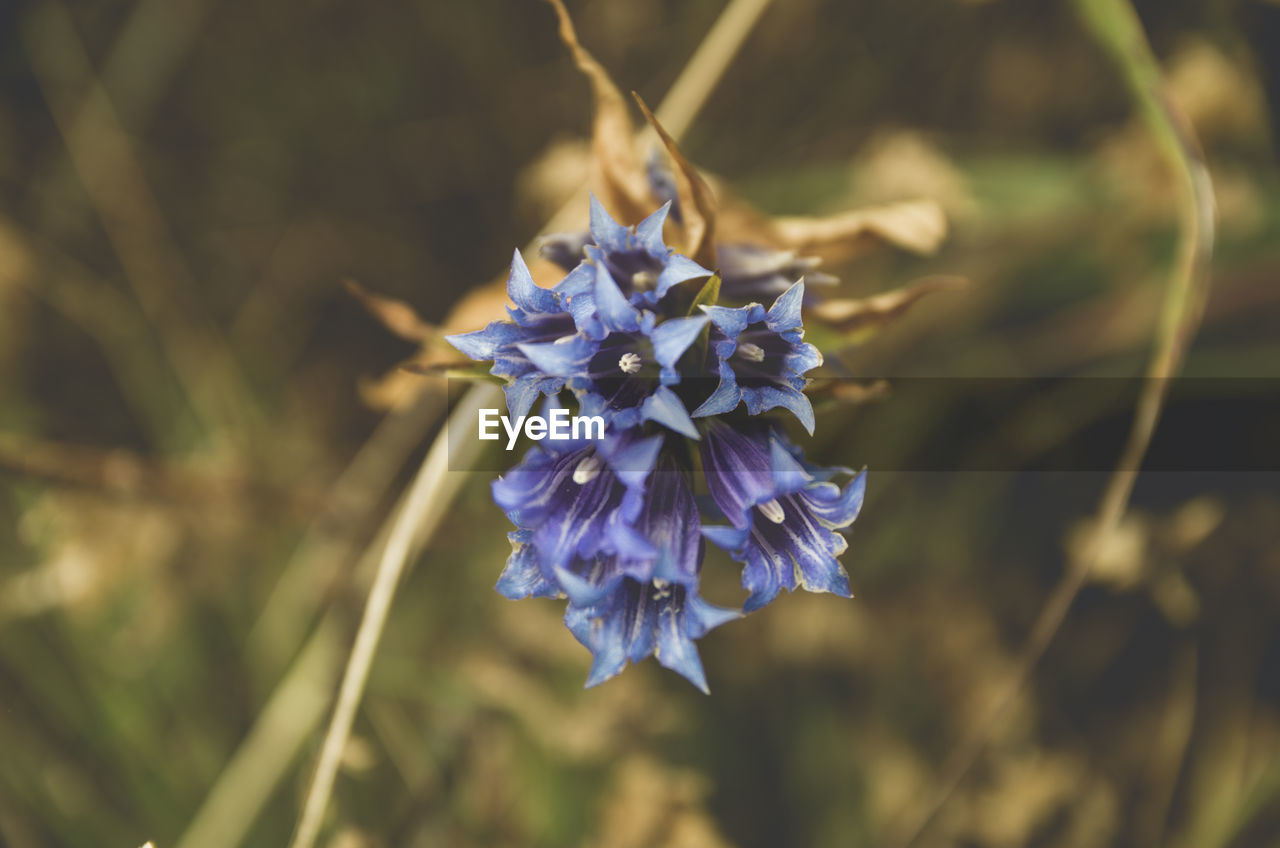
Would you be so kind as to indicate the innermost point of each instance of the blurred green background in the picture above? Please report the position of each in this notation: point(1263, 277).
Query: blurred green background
point(193, 465)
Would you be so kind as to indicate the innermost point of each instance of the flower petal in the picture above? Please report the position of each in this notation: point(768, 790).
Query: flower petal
point(649, 232)
point(616, 314)
point(664, 407)
point(566, 357)
point(524, 292)
point(784, 314)
point(672, 338)
point(678, 269)
point(482, 345)
point(606, 232)
point(522, 577)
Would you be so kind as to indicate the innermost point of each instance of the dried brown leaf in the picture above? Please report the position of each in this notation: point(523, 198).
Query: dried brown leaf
point(915, 225)
point(396, 315)
point(616, 169)
point(854, 315)
point(400, 387)
point(697, 203)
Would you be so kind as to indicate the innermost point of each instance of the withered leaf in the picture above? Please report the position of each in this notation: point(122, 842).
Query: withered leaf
point(915, 225)
point(396, 315)
point(697, 203)
point(853, 317)
point(616, 169)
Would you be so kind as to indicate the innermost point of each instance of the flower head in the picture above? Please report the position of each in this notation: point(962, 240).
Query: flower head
point(747, 270)
point(626, 606)
point(639, 619)
point(635, 260)
point(624, 358)
point(577, 501)
point(537, 317)
point(762, 358)
point(611, 524)
point(783, 515)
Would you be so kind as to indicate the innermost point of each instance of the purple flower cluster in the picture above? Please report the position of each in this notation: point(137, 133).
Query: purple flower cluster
point(613, 525)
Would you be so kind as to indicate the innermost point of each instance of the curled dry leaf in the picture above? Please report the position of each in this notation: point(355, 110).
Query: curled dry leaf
point(396, 315)
point(399, 387)
point(915, 225)
point(852, 316)
point(697, 204)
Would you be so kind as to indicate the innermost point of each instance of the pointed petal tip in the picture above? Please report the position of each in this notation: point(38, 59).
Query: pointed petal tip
point(603, 671)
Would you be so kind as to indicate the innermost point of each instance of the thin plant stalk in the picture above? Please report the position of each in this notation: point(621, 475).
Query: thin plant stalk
point(1115, 26)
point(110, 168)
point(429, 497)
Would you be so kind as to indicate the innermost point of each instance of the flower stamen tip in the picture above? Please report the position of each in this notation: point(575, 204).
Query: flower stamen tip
point(588, 469)
point(772, 510)
point(630, 363)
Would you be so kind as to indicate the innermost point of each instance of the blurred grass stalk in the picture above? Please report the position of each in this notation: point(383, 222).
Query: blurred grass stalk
point(256, 768)
point(110, 169)
point(1115, 26)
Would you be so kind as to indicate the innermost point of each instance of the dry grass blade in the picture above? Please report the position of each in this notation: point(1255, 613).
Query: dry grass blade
point(696, 201)
point(281, 728)
point(708, 63)
point(1116, 26)
point(421, 512)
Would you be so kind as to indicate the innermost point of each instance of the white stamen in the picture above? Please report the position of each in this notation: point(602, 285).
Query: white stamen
point(644, 280)
point(772, 510)
point(630, 363)
point(588, 469)
point(750, 351)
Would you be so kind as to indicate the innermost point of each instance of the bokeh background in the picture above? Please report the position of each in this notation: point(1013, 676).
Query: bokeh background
point(196, 462)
